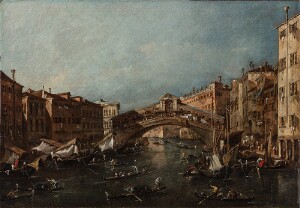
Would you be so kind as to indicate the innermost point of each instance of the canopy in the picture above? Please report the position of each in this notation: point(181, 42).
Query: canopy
point(45, 148)
point(67, 152)
point(52, 142)
point(17, 150)
point(68, 144)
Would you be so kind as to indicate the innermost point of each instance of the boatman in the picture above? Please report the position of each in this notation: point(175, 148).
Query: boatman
point(135, 169)
point(157, 183)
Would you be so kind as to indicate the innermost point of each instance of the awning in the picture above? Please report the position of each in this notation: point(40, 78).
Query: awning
point(17, 150)
point(52, 142)
point(70, 143)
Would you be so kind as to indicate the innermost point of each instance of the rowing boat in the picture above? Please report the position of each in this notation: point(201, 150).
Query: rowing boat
point(139, 190)
point(214, 197)
point(124, 175)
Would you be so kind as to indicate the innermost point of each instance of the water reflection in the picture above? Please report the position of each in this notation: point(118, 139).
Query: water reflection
point(86, 189)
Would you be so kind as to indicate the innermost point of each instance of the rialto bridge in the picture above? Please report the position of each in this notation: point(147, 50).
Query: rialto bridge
point(168, 111)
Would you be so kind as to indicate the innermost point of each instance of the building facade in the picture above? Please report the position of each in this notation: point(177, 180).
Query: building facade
point(35, 118)
point(71, 117)
point(215, 95)
point(110, 110)
point(11, 111)
point(253, 105)
point(288, 95)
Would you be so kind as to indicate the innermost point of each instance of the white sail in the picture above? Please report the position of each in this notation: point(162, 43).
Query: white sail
point(215, 163)
point(107, 145)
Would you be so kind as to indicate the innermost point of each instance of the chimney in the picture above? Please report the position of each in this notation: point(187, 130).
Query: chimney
point(49, 90)
point(13, 72)
point(43, 92)
point(260, 68)
point(266, 66)
point(220, 79)
point(250, 65)
point(243, 71)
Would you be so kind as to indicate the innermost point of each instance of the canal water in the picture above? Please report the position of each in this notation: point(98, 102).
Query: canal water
point(85, 187)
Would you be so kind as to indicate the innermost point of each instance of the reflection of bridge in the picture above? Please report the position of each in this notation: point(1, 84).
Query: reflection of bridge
point(169, 111)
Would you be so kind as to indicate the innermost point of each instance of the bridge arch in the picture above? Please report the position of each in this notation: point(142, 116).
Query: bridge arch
point(168, 111)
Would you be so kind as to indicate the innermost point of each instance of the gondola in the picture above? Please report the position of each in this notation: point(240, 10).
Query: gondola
point(274, 167)
point(264, 165)
point(17, 194)
point(183, 146)
point(140, 191)
point(67, 162)
point(247, 155)
point(124, 175)
point(223, 173)
point(158, 142)
point(25, 172)
point(118, 163)
point(214, 197)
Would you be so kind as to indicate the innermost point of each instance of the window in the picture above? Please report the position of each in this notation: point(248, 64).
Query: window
point(293, 27)
point(281, 93)
point(30, 108)
point(282, 34)
point(293, 88)
point(282, 63)
point(282, 122)
point(258, 115)
point(293, 120)
point(293, 59)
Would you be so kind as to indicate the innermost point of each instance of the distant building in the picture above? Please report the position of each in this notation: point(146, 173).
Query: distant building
point(35, 117)
point(215, 95)
point(288, 93)
point(110, 110)
point(11, 111)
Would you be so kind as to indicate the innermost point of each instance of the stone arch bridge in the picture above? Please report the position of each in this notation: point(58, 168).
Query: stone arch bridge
point(168, 111)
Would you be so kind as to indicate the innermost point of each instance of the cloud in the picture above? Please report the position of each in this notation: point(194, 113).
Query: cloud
point(147, 48)
point(135, 51)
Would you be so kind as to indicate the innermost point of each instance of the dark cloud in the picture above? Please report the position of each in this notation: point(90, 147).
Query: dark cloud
point(135, 51)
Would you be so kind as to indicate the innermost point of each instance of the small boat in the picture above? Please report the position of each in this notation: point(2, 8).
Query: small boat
point(218, 174)
point(280, 164)
point(183, 146)
point(214, 197)
point(17, 194)
point(215, 169)
point(158, 142)
point(25, 172)
point(247, 155)
point(124, 175)
point(117, 163)
point(138, 190)
point(73, 161)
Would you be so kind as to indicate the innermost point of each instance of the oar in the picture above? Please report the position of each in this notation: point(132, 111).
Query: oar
point(206, 198)
point(134, 195)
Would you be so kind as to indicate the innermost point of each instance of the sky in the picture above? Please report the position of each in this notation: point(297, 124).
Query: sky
point(136, 51)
